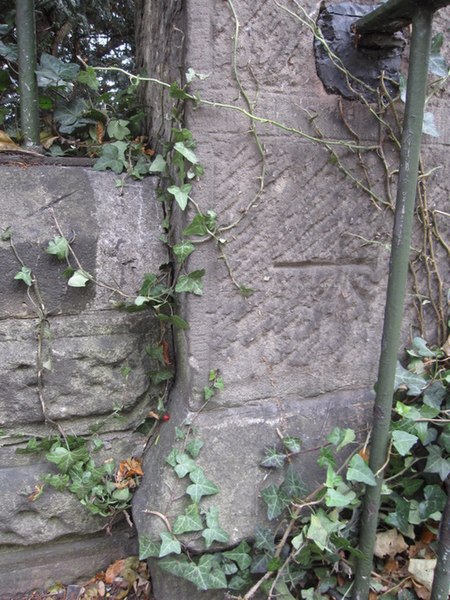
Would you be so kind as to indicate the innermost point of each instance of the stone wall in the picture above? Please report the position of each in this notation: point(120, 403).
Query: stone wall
point(299, 356)
point(116, 240)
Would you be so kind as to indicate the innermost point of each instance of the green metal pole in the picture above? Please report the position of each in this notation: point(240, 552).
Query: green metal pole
point(394, 15)
point(398, 271)
point(26, 41)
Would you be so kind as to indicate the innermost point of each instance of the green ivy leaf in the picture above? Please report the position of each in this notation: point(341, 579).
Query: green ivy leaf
point(54, 72)
point(79, 279)
point(213, 532)
point(172, 457)
point(414, 383)
point(174, 320)
point(276, 501)
point(158, 164)
point(185, 465)
point(293, 487)
point(358, 470)
point(436, 463)
point(112, 157)
point(264, 539)
point(193, 283)
point(181, 194)
point(148, 547)
point(189, 521)
point(337, 499)
point(89, 78)
point(186, 152)
point(72, 116)
point(194, 447)
point(420, 348)
point(64, 459)
point(403, 441)
point(201, 486)
point(434, 501)
point(240, 555)
point(117, 129)
point(206, 575)
point(24, 275)
point(341, 437)
point(317, 531)
point(429, 125)
point(161, 375)
point(59, 246)
point(201, 224)
point(292, 444)
point(273, 458)
point(183, 250)
point(169, 544)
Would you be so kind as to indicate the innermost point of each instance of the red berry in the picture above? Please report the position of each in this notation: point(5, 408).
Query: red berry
point(165, 417)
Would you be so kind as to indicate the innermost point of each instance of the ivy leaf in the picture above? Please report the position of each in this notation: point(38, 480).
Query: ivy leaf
point(89, 78)
point(341, 437)
point(174, 320)
point(240, 555)
point(429, 125)
point(434, 501)
point(437, 65)
point(79, 279)
point(437, 464)
point(414, 383)
point(194, 447)
point(177, 92)
point(205, 575)
point(358, 470)
point(185, 465)
point(193, 282)
point(338, 499)
point(25, 275)
point(112, 157)
point(72, 116)
point(293, 486)
point(201, 224)
point(292, 444)
point(183, 250)
point(59, 246)
point(420, 348)
point(169, 544)
point(213, 532)
point(434, 395)
point(201, 486)
point(181, 194)
point(158, 164)
point(117, 129)
point(273, 458)
point(54, 72)
point(186, 152)
point(148, 547)
point(172, 457)
point(64, 459)
point(403, 441)
point(264, 539)
point(276, 501)
point(161, 375)
point(190, 521)
point(317, 531)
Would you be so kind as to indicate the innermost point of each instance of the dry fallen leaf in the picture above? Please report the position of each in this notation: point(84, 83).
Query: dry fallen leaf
point(129, 468)
point(389, 543)
point(114, 570)
point(422, 569)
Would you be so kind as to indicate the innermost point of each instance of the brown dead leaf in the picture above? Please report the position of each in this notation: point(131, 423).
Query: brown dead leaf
point(422, 569)
point(421, 591)
point(99, 132)
point(129, 468)
point(389, 543)
point(373, 595)
point(166, 352)
point(114, 570)
point(6, 143)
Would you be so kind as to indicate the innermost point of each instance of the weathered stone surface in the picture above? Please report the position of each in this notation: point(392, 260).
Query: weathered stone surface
point(116, 239)
point(300, 354)
point(68, 560)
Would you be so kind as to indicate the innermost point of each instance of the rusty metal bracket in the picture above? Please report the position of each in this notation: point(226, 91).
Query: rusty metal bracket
point(351, 64)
